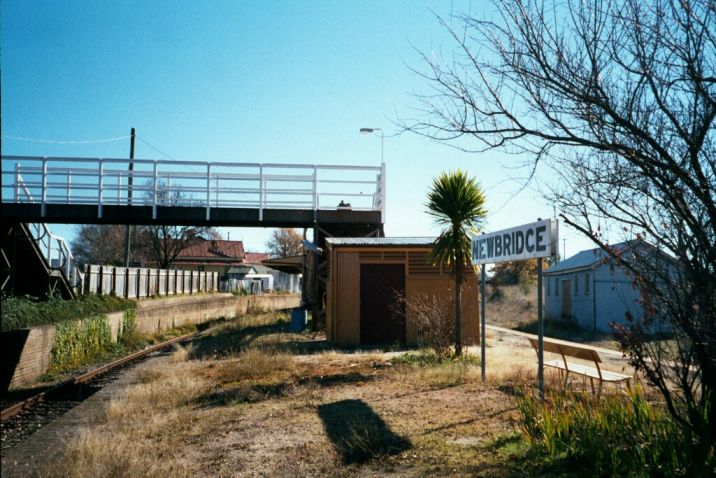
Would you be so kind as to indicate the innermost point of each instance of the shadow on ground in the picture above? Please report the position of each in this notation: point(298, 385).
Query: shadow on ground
point(277, 336)
point(230, 340)
point(243, 393)
point(357, 433)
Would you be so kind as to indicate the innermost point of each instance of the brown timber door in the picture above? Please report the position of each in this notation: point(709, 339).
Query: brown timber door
point(566, 298)
point(382, 318)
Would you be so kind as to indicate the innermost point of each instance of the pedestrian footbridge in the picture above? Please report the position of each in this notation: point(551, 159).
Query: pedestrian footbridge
point(140, 191)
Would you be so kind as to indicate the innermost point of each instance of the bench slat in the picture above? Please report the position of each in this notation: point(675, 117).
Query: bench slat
point(576, 351)
point(588, 371)
point(570, 350)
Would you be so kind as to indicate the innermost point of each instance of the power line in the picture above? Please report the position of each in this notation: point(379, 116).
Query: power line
point(168, 156)
point(155, 148)
point(51, 141)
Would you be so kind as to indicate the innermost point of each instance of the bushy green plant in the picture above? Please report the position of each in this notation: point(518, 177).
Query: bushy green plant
point(80, 342)
point(128, 336)
point(27, 311)
point(614, 436)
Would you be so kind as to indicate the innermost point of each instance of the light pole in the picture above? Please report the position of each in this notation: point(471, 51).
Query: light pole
point(382, 138)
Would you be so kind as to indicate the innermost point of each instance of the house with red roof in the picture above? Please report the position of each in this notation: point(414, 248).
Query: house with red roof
point(236, 267)
point(216, 255)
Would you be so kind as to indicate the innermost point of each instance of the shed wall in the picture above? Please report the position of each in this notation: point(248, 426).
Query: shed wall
point(343, 300)
point(344, 287)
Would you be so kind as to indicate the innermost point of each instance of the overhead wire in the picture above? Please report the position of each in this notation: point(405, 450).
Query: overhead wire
point(168, 156)
point(52, 141)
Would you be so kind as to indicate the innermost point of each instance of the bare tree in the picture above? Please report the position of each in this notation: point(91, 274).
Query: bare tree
point(284, 242)
point(619, 98)
point(163, 243)
point(99, 244)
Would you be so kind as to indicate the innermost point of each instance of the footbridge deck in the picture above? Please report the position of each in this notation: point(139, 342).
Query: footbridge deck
point(140, 191)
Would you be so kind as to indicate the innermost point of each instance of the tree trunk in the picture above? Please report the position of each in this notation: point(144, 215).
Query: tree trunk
point(458, 309)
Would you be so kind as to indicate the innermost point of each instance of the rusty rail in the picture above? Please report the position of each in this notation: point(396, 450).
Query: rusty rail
point(15, 409)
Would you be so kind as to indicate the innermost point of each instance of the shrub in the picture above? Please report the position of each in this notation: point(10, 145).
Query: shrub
point(27, 311)
point(128, 335)
point(80, 342)
point(434, 320)
point(615, 436)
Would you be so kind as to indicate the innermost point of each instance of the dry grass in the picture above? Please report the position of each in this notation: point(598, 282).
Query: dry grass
point(181, 353)
point(507, 362)
point(511, 306)
point(144, 429)
point(261, 411)
point(445, 374)
point(252, 364)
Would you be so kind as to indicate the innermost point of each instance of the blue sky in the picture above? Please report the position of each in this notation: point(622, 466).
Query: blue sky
point(244, 81)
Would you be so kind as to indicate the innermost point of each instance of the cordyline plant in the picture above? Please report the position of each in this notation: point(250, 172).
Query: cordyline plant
point(457, 204)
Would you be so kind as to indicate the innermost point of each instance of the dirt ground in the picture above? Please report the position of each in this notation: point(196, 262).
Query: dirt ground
point(251, 399)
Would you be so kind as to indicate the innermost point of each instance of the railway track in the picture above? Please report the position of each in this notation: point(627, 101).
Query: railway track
point(60, 398)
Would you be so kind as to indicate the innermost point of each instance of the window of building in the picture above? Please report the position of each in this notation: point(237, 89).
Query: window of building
point(556, 286)
point(586, 283)
point(549, 287)
point(576, 285)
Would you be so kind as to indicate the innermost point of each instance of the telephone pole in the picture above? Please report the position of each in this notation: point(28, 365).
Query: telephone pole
point(130, 181)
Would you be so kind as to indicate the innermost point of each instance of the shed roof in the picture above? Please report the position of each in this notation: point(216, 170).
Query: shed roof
point(381, 241)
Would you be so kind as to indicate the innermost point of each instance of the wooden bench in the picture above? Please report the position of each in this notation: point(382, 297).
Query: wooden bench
point(584, 353)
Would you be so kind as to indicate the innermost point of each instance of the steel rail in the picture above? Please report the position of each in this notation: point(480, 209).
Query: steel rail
point(15, 409)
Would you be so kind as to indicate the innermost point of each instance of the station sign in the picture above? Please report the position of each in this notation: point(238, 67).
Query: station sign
point(529, 241)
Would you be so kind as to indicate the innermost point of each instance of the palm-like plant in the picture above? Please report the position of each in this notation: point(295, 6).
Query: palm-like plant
point(457, 204)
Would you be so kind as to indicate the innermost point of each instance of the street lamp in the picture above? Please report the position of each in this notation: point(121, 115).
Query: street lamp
point(382, 137)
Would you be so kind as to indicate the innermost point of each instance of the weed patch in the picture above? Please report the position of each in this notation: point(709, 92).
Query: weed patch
point(429, 369)
point(618, 435)
point(27, 311)
point(80, 342)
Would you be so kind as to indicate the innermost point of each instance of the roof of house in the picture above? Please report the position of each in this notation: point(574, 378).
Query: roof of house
point(291, 265)
point(262, 269)
point(241, 270)
point(256, 257)
point(590, 258)
point(381, 241)
point(214, 250)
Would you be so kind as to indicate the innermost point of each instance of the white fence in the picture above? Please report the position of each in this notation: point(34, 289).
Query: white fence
point(136, 282)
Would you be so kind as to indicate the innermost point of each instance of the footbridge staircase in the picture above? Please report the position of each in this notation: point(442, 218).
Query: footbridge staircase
point(35, 262)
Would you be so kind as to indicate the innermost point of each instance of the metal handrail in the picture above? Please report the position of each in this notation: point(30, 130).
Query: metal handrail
point(51, 245)
point(101, 181)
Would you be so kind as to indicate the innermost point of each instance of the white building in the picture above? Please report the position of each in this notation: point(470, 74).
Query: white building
point(590, 289)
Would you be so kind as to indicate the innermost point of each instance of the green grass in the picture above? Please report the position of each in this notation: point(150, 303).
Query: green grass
point(426, 358)
point(614, 436)
point(23, 312)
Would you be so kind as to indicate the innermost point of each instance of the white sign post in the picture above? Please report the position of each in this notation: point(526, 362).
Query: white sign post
point(530, 241)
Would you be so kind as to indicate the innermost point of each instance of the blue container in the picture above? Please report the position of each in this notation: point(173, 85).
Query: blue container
point(299, 318)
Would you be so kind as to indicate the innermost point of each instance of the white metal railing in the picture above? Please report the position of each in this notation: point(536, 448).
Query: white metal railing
point(57, 254)
point(262, 186)
point(52, 247)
